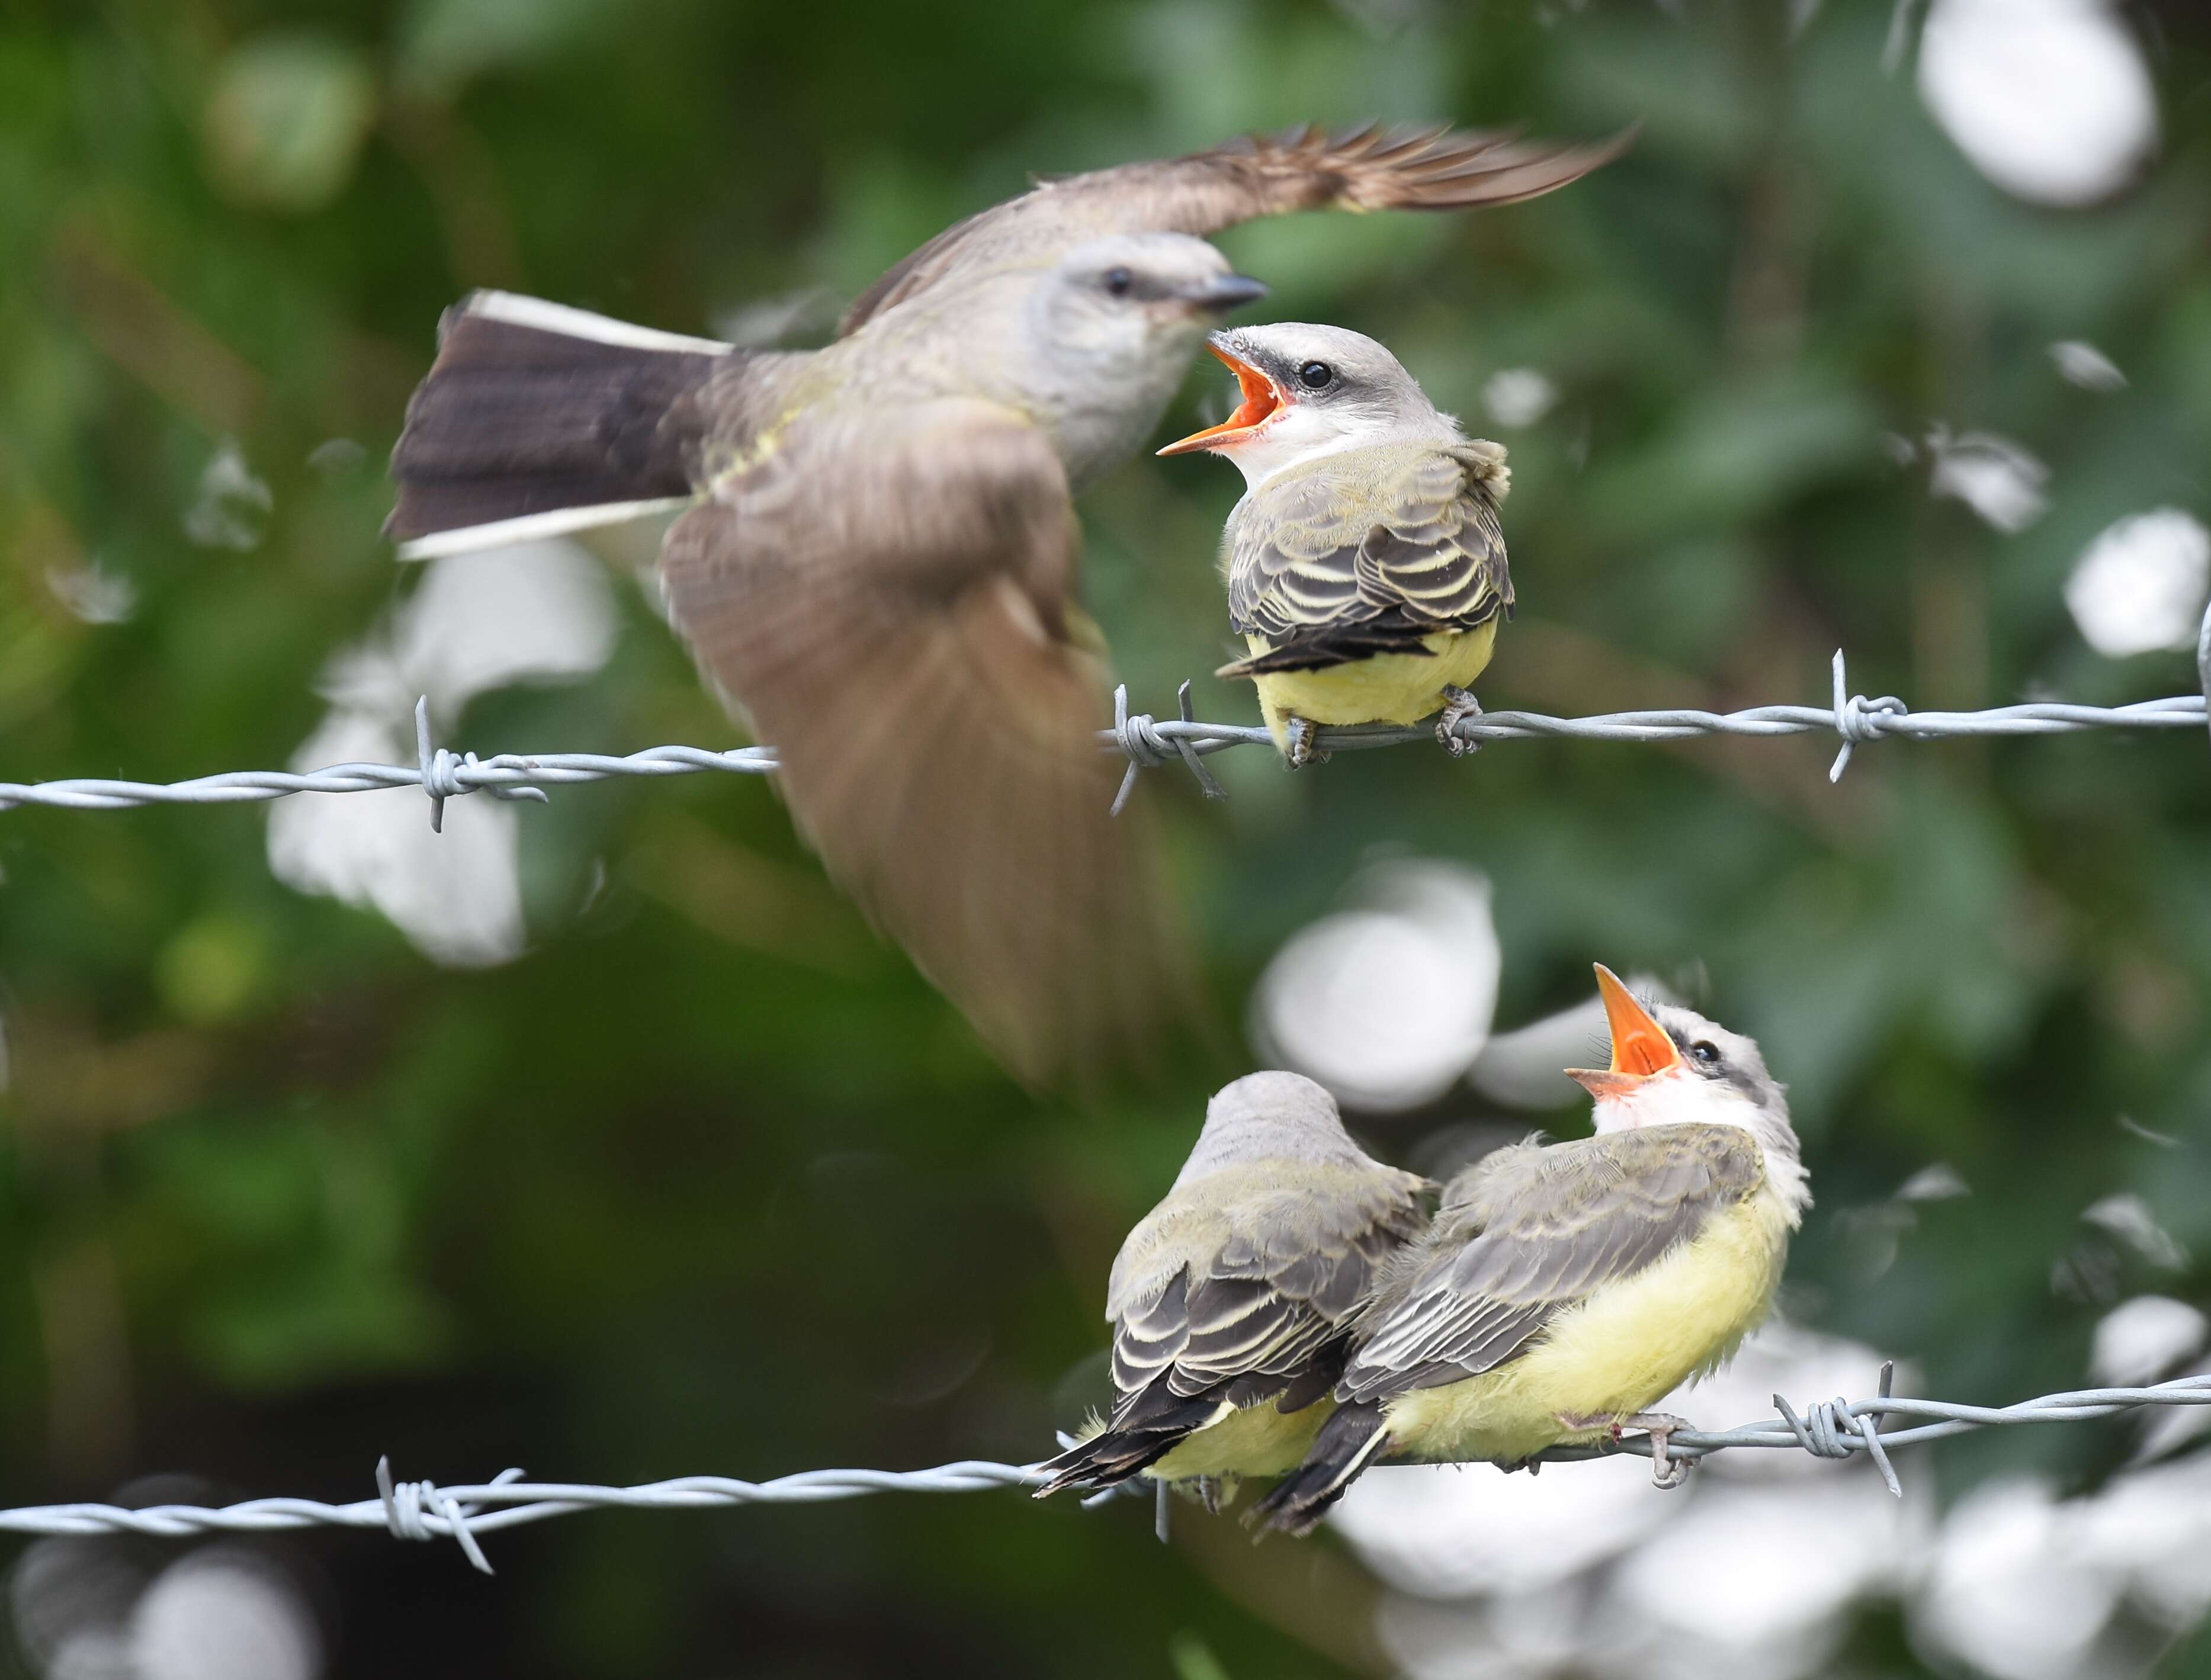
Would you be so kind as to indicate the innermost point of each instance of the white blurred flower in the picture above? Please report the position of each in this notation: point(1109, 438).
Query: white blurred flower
point(1388, 1003)
point(2127, 1216)
point(2138, 1339)
point(1448, 1531)
point(2049, 99)
point(2014, 1590)
point(2140, 586)
point(1518, 395)
point(1525, 1068)
point(2154, 1527)
point(1556, 1631)
point(1997, 478)
point(93, 594)
point(1711, 1577)
point(224, 1613)
point(232, 506)
point(2166, 1428)
point(536, 611)
point(2086, 366)
point(456, 896)
point(533, 612)
point(1936, 1183)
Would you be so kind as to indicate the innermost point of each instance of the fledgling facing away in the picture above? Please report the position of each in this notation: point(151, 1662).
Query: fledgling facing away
point(1562, 1289)
point(1366, 565)
point(1232, 1301)
point(877, 556)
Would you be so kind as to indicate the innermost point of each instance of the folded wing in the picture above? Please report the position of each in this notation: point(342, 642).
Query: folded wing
point(1369, 553)
point(1541, 1230)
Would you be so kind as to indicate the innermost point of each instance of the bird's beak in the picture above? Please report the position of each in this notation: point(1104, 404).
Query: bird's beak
point(1640, 1048)
point(1262, 397)
point(1218, 297)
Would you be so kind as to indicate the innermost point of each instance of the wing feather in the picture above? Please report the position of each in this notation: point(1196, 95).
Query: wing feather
point(1370, 552)
point(1308, 168)
point(1250, 1279)
point(1539, 1231)
point(887, 597)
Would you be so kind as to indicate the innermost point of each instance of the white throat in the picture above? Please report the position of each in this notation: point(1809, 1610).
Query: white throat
point(1299, 434)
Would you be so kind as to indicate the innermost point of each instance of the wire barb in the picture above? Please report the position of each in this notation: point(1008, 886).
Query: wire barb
point(1140, 737)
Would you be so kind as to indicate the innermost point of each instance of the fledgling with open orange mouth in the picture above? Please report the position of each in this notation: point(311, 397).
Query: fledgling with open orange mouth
point(1563, 1290)
point(1366, 565)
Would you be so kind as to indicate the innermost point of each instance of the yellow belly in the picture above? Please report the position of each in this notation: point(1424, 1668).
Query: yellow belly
point(1389, 688)
point(1621, 1351)
point(1257, 1441)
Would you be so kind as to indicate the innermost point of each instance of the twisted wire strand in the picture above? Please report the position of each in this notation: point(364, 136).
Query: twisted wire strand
point(1146, 741)
point(463, 1513)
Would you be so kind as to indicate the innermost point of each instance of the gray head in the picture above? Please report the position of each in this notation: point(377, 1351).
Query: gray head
point(1310, 390)
point(1672, 1066)
point(1271, 1117)
point(1109, 333)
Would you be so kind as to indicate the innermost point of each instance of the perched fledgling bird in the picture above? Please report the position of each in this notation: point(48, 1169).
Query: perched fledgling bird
point(1366, 565)
point(1232, 1301)
point(1561, 1289)
point(877, 556)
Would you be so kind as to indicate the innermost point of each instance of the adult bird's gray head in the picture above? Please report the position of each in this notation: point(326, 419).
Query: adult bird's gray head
point(1109, 333)
point(1310, 390)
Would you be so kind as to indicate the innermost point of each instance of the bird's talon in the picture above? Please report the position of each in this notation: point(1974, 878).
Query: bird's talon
point(1304, 747)
point(1666, 1471)
point(1458, 706)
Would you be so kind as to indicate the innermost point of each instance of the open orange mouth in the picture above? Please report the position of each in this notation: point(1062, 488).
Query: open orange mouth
point(1640, 1048)
point(1263, 399)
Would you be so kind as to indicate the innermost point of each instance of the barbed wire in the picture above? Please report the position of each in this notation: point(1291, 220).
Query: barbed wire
point(1146, 741)
point(464, 1514)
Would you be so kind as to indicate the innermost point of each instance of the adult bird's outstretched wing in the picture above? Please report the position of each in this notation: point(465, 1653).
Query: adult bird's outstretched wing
point(886, 596)
point(1309, 168)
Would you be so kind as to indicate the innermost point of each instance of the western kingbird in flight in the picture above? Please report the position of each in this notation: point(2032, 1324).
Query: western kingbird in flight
point(1232, 1301)
point(1561, 1290)
point(1366, 565)
point(877, 553)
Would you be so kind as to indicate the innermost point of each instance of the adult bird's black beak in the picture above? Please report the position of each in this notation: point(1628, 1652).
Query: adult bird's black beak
point(1227, 293)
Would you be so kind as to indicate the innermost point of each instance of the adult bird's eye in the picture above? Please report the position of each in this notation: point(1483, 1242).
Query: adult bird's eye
point(1119, 282)
point(1315, 375)
point(1706, 1052)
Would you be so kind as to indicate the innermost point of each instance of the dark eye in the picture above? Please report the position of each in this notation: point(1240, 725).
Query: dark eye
point(1705, 1051)
point(1315, 375)
point(1119, 282)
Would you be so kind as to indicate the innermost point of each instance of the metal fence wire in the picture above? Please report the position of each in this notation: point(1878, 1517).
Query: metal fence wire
point(1833, 1429)
point(1145, 741)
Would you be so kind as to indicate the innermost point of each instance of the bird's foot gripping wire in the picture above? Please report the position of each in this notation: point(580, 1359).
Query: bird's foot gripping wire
point(1458, 706)
point(1666, 1471)
point(1304, 743)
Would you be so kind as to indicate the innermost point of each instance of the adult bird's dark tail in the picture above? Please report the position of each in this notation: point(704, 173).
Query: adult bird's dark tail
point(1346, 1442)
point(537, 419)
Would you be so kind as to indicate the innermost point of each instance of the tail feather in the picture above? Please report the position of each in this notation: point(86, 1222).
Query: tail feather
point(1130, 1445)
point(536, 419)
point(1341, 1450)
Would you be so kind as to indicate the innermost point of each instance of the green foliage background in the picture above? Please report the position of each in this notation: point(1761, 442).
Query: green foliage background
point(708, 1180)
